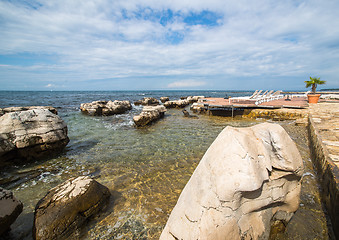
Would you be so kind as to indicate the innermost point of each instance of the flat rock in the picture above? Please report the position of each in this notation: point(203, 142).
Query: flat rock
point(65, 208)
point(105, 108)
point(10, 209)
point(31, 134)
point(19, 109)
point(149, 114)
point(248, 178)
point(147, 101)
point(176, 104)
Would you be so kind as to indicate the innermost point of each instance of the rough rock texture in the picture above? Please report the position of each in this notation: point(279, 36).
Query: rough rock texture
point(10, 209)
point(176, 104)
point(188, 115)
point(30, 134)
point(149, 114)
point(193, 99)
point(147, 101)
point(19, 109)
point(198, 107)
point(248, 178)
point(106, 108)
point(164, 99)
point(66, 207)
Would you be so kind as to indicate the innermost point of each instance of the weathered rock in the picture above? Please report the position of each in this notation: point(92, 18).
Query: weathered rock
point(66, 208)
point(10, 209)
point(19, 109)
point(147, 101)
point(106, 108)
point(149, 114)
point(198, 107)
point(31, 134)
point(164, 99)
point(176, 104)
point(248, 178)
point(193, 99)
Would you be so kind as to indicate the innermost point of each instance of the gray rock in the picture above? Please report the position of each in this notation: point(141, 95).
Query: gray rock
point(176, 104)
point(65, 208)
point(193, 99)
point(149, 114)
point(147, 101)
point(248, 178)
point(106, 108)
point(19, 109)
point(31, 134)
point(10, 209)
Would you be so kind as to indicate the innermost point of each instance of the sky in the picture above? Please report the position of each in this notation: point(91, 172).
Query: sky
point(168, 45)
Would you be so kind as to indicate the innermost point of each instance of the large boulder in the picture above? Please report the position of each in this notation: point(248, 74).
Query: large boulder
point(247, 179)
point(176, 104)
point(10, 209)
point(31, 134)
point(105, 108)
point(65, 208)
point(149, 114)
point(19, 109)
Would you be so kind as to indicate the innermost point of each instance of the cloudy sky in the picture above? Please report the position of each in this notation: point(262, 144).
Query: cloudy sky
point(172, 44)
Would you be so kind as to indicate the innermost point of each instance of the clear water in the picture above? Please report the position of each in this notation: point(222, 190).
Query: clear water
point(144, 168)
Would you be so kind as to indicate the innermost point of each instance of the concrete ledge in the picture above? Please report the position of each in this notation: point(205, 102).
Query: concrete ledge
point(328, 174)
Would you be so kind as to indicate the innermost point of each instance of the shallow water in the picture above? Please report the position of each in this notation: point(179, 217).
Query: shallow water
point(144, 168)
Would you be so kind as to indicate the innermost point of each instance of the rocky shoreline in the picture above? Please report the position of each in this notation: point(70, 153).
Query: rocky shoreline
point(41, 145)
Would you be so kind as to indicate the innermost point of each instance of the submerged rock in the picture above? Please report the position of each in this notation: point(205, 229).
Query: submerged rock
point(66, 207)
point(176, 104)
point(149, 114)
point(147, 101)
point(164, 99)
point(188, 115)
point(248, 178)
point(10, 209)
point(106, 108)
point(31, 134)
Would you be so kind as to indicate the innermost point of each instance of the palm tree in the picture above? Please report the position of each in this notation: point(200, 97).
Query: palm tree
point(314, 82)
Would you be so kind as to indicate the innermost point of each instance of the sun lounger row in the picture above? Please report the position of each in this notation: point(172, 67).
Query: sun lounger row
point(259, 98)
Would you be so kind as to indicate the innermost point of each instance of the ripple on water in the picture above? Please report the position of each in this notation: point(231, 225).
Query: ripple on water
point(144, 168)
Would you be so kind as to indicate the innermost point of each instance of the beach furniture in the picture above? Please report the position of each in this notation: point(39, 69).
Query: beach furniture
point(252, 97)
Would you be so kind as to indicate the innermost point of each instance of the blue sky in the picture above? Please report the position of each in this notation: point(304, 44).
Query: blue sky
point(159, 45)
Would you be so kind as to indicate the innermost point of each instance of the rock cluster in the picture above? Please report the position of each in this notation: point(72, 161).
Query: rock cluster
point(247, 179)
point(198, 107)
point(31, 134)
point(147, 101)
point(66, 208)
point(176, 104)
point(149, 114)
point(164, 99)
point(106, 108)
point(10, 209)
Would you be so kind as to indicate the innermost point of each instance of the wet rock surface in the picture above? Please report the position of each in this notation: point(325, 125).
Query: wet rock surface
point(149, 114)
point(105, 108)
point(164, 99)
point(30, 134)
point(248, 178)
point(10, 209)
point(67, 207)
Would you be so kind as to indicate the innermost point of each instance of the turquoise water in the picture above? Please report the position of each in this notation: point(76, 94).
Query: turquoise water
point(144, 168)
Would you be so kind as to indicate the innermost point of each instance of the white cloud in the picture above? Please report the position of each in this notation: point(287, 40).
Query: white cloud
point(50, 85)
point(93, 40)
point(186, 84)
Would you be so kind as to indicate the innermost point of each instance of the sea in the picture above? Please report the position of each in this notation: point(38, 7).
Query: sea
point(144, 168)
